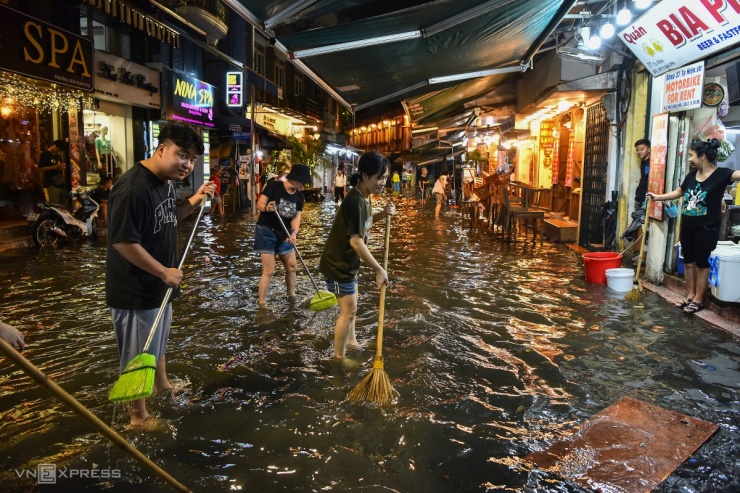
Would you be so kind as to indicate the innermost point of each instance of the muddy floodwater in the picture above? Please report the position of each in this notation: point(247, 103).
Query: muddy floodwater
point(496, 350)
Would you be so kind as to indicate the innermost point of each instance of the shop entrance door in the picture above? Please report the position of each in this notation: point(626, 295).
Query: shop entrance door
point(595, 168)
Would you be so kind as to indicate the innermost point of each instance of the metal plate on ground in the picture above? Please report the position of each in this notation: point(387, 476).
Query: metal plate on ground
point(631, 446)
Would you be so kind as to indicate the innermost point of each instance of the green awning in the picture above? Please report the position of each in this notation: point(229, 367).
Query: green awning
point(501, 36)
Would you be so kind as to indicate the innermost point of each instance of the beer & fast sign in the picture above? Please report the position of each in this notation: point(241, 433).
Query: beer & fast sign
point(674, 33)
point(39, 50)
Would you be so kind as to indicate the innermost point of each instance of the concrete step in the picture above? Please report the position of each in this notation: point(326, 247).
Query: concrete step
point(14, 229)
point(729, 311)
point(7, 244)
point(15, 234)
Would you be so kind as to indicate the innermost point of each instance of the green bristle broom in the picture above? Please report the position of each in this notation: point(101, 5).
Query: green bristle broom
point(323, 299)
point(137, 379)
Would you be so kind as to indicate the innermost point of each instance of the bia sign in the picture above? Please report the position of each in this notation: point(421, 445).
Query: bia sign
point(43, 51)
point(673, 34)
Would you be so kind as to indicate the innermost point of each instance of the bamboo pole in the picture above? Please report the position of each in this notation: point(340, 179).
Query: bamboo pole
point(48, 384)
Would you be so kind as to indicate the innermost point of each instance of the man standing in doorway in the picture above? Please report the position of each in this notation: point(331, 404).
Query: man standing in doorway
point(52, 167)
point(642, 147)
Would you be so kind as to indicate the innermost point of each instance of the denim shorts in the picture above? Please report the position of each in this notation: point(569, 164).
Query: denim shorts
point(265, 241)
point(132, 330)
point(341, 288)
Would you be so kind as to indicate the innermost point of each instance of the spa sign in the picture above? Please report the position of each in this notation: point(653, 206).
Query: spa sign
point(190, 100)
point(39, 50)
point(673, 34)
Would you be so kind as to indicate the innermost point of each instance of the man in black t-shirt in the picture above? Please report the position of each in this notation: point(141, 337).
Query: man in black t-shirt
point(141, 259)
point(642, 147)
point(51, 166)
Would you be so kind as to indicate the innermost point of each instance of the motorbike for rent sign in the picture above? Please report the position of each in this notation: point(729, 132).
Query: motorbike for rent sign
point(682, 89)
point(673, 34)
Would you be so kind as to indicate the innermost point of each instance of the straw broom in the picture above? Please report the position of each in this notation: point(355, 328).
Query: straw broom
point(634, 294)
point(137, 379)
point(376, 386)
point(323, 299)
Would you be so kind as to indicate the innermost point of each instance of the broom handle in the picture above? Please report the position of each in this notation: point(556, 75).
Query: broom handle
point(48, 384)
point(280, 220)
point(381, 307)
point(644, 235)
point(167, 295)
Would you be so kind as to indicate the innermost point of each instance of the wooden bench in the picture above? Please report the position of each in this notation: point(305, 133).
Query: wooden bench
point(561, 231)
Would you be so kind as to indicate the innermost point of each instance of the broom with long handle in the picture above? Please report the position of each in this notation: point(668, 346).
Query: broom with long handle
point(137, 379)
point(47, 383)
point(376, 386)
point(322, 299)
point(634, 293)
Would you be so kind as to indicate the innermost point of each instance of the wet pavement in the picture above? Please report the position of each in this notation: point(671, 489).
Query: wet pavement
point(496, 349)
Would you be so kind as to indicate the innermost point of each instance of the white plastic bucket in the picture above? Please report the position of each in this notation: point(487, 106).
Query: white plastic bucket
point(620, 280)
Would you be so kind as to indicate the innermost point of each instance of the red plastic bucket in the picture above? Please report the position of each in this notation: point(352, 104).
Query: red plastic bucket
point(596, 263)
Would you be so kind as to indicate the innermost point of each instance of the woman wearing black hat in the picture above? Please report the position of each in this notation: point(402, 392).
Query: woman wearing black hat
point(286, 198)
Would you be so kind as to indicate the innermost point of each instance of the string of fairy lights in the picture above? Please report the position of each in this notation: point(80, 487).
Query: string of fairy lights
point(20, 95)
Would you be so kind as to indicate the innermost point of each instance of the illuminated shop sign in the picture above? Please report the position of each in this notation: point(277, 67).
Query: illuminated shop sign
point(673, 34)
point(36, 49)
point(120, 80)
point(191, 101)
point(235, 89)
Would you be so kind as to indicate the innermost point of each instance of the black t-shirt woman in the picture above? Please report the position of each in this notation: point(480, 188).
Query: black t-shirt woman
point(701, 213)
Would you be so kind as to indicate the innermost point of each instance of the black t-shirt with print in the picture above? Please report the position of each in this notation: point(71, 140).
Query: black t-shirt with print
point(288, 205)
point(702, 201)
point(141, 209)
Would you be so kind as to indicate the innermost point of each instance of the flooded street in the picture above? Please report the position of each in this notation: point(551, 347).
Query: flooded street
point(496, 350)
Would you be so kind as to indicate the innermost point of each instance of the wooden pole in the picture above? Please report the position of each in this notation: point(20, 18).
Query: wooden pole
point(48, 384)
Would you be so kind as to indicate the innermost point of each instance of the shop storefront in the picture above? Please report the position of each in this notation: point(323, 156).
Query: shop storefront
point(46, 75)
point(690, 51)
point(122, 88)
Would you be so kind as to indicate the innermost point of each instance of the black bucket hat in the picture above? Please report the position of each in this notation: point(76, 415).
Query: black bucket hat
point(300, 173)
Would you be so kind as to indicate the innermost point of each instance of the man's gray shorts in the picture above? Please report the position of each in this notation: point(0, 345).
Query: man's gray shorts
point(132, 330)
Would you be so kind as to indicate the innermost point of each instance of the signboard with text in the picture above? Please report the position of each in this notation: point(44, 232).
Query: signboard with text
point(683, 88)
point(43, 51)
point(120, 80)
point(190, 100)
point(673, 34)
point(235, 89)
point(658, 154)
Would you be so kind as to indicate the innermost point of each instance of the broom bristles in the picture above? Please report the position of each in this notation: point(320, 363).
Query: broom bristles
point(323, 300)
point(136, 380)
point(374, 387)
point(633, 295)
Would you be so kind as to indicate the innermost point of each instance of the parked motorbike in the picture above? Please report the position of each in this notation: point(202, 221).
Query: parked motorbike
point(55, 223)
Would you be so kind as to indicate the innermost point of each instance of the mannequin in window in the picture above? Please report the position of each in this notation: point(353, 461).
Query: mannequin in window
point(103, 151)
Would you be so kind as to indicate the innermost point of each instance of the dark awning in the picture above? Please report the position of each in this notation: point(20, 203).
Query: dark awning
point(390, 51)
point(268, 140)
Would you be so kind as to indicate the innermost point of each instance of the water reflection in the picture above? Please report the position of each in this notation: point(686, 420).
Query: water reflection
point(496, 349)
